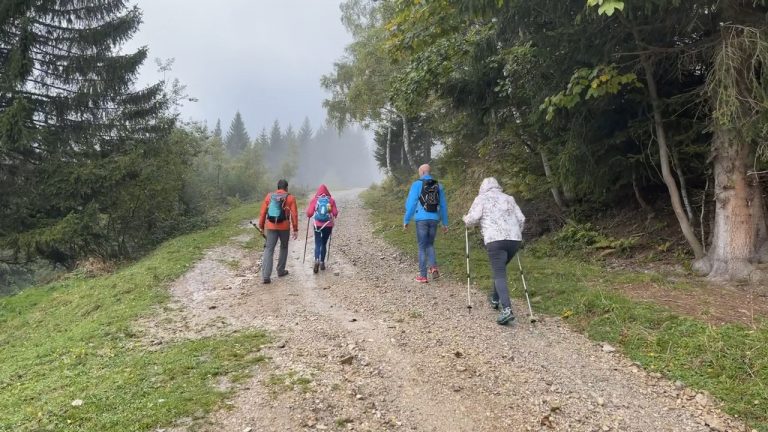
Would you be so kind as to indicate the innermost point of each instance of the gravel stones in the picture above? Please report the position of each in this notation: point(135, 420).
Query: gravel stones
point(413, 358)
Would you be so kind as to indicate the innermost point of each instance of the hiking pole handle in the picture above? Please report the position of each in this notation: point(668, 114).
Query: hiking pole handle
point(258, 229)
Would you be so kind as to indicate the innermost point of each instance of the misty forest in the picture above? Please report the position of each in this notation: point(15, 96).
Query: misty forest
point(93, 167)
point(632, 134)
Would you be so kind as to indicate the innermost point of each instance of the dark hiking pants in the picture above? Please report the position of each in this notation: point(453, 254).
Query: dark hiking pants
point(500, 253)
point(322, 235)
point(269, 252)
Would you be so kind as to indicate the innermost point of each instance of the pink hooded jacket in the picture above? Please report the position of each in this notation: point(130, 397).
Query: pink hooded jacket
point(322, 190)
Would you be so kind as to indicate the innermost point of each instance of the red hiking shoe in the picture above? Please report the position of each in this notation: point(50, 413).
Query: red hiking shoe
point(421, 279)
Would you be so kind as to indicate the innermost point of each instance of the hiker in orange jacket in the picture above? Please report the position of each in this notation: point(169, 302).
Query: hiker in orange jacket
point(278, 214)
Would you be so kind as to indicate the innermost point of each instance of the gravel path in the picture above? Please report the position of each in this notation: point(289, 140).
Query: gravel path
point(363, 347)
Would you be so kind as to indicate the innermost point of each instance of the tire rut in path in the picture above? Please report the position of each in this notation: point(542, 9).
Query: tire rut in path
point(383, 353)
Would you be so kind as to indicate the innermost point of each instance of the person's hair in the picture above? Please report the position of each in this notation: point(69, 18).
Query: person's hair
point(282, 184)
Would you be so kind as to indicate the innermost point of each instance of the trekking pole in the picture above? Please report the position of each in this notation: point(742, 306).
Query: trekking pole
point(466, 243)
point(259, 230)
point(328, 252)
point(525, 287)
point(306, 240)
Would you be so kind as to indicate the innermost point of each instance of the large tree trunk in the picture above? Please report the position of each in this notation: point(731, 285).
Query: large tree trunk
point(702, 223)
point(761, 256)
point(736, 95)
point(739, 215)
point(407, 143)
point(666, 171)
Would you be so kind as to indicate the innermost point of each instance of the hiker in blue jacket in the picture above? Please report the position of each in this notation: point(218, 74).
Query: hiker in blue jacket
point(427, 205)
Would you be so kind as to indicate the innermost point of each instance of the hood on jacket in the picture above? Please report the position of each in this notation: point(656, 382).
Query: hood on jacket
point(322, 190)
point(489, 184)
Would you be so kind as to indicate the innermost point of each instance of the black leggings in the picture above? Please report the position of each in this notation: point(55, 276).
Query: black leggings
point(500, 253)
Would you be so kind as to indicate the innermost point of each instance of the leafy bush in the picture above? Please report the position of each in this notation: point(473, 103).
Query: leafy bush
point(578, 236)
point(576, 239)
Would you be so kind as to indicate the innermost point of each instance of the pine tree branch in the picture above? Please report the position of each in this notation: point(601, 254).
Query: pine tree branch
point(61, 77)
point(53, 86)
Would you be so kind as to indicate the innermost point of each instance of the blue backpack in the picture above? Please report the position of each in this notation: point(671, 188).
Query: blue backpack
point(323, 209)
point(276, 209)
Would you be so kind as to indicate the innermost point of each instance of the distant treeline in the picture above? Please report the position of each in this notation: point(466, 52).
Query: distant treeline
point(305, 157)
point(93, 166)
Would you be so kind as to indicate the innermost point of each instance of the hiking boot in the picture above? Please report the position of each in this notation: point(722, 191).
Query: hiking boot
point(267, 281)
point(322, 266)
point(434, 272)
point(422, 279)
point(505, 316)
point(316, 267)
point(494, 301)
point(282, 273)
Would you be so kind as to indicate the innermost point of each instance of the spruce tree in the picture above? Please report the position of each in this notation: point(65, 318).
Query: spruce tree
point(73, 128)
point(282, 153)
point(217, 130)
point(275, 136)
point(289, 155)
point(305, 133)
point(237, 139)
point(275, 146)
point(262, 142)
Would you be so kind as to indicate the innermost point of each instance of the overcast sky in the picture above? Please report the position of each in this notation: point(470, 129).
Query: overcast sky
point(262, 57)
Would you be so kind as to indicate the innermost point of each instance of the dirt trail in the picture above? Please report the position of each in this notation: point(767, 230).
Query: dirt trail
point(362, 347)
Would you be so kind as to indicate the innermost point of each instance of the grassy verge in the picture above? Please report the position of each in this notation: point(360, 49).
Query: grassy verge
point(730, 361)
point(70, 361)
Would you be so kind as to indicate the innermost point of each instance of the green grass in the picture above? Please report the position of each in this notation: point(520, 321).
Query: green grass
point(254, 243)
point(231, 264)
point(75, 340)
point(730, 361)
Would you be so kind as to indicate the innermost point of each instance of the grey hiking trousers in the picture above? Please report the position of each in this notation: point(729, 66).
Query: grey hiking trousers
point(500, 253)
point(269, 252)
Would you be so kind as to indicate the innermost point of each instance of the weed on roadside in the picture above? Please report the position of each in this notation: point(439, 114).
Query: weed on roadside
point(288, 381)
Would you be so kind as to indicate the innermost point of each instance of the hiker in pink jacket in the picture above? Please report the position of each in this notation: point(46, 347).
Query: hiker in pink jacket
point(322, 209)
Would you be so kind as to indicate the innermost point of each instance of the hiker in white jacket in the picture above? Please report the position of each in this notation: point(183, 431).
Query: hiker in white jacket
point(501, 222)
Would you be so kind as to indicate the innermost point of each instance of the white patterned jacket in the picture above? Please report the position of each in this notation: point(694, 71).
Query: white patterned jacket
point(497, 213)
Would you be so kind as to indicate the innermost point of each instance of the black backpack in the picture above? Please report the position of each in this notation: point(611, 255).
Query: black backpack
point(430, 195)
